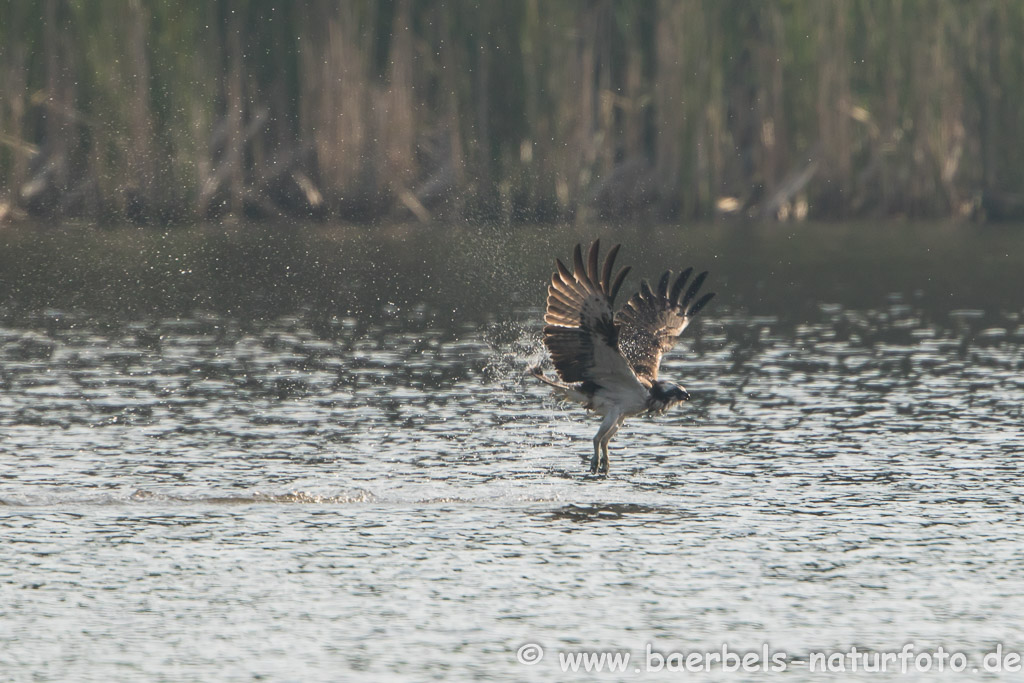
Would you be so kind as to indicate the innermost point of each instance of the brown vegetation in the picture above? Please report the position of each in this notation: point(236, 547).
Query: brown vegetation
point(519, 110)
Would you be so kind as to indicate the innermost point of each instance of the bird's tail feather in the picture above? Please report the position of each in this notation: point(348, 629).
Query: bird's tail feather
point(539, 374)
point(566, 391)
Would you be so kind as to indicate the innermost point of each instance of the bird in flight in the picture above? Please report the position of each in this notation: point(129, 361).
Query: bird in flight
point(608, 360)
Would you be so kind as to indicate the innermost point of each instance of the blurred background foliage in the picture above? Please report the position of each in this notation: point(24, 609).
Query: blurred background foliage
point(520, 110)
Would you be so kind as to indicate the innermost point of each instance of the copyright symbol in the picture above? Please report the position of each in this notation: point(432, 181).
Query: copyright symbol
point(530, 654)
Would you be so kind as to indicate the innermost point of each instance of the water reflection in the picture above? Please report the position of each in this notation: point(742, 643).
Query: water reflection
point(209, 402)
point(386, 496)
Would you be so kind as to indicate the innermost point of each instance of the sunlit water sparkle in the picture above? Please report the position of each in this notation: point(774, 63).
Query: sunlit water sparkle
point(304, 498)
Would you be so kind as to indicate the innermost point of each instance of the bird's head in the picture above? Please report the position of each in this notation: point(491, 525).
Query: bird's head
point(668, 394)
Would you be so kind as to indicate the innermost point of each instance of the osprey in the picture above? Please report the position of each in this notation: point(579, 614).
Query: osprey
point(608, 360)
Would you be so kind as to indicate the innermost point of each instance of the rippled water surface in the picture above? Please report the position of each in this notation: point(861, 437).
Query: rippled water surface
point(334, 469)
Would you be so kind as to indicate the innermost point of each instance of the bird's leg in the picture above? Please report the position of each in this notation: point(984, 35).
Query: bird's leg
point(605, 464)
point(600, 459)
point(609, 426)
point(607, 440)
point(596, 460)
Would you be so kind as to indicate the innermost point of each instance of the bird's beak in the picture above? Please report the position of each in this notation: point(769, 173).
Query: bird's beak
point(686, 394)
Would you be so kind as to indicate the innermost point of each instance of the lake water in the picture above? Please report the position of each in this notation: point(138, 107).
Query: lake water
point(310, 455)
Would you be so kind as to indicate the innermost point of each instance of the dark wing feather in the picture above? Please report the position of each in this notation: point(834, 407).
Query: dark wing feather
point(581, 334)
point(652, 320)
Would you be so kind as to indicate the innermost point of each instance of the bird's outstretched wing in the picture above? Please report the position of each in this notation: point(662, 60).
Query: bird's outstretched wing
point(581, 334)
point(652, 320)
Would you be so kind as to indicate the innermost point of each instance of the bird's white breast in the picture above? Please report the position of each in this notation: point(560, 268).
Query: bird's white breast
point(622, 397)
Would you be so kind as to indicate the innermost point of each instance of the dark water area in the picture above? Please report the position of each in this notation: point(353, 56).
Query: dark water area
point(311, 455)
point(459, 273)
